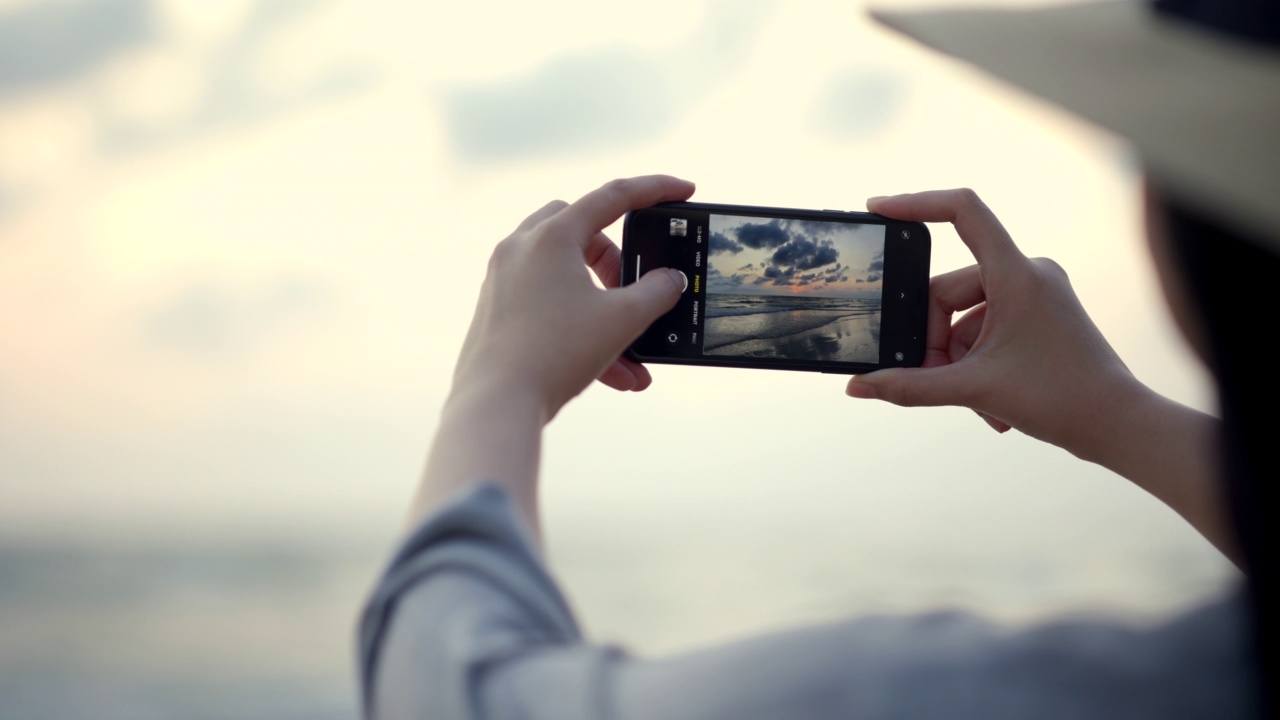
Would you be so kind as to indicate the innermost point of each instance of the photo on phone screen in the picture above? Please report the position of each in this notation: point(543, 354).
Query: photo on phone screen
point(793, 289)
point(788, 289)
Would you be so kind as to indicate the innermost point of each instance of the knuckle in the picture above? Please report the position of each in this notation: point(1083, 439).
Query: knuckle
point(913, 396)
point(1049, 269)
point(630, 305)
point(550, 230)
point(552, 209)
point(1049, 265)
point(939, 283)
point(936, 286)
point(966, 197)
point(502, 253)
point(903, 397)
point(618, 186)
point(969, 396)
point(904, 393)
point(507, 245)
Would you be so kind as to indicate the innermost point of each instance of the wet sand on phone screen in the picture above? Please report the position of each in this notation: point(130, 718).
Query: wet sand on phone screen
point(844, 334)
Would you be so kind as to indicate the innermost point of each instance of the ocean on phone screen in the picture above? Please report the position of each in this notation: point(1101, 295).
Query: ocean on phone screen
point(793, 327)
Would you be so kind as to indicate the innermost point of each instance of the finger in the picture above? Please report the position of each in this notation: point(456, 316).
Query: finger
point(618, 376)
point(997, 425)
point(949, 293)
point(634, 307)
point(910, 387)
point(977, 226)
point(627, 375)
point(959, 289)
point(542, 213)
point(599, 208)
point(964, 334)
point(643, 378)
point(605, 260)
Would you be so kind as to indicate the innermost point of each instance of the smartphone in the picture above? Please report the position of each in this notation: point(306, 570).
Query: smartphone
point(817, 290)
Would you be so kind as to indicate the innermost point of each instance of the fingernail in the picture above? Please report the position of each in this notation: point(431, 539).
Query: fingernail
point(861, 390)
point(875, 199)
point(679, 277)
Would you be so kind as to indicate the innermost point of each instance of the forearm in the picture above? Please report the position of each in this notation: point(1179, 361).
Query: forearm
point(1170, 451)
point(490, 432)
point(542, 331)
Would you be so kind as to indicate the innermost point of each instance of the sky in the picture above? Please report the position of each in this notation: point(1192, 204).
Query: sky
point(751, 256)
point(240, 240)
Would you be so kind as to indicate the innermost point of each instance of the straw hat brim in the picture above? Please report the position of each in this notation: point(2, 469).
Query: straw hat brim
point(1201, 108)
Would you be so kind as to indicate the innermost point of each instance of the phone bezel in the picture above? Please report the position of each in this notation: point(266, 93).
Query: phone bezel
point(906, 271)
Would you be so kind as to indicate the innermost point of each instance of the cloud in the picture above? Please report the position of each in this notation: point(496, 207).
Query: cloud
point(723, 243)
point(233, 86)
point(795, 250)
point(875, 270)
point(47, 43)
point(135, 83)
point(231, 91)
point(607, 97)
point(209, 320)
point(859, 103)
point(576, 103)
point(835, 274)
point(734, 280)
point(762, 236)
point(44, 43)
point(798, 257)
point(199, 320)
point(810, 228)
point(779, 275)
point(805, 254)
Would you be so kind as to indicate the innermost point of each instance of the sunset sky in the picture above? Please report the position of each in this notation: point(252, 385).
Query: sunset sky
point(758, 256)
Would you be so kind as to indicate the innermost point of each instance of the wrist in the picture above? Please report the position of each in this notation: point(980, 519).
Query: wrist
point(1143, 430)
point(497, 394)
point(489, 431)
point(1119, 414)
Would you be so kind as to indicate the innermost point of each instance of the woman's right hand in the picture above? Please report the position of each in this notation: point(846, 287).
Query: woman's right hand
point(1024, 354)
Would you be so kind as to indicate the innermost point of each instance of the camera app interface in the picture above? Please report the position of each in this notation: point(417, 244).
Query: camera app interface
point(793, 289)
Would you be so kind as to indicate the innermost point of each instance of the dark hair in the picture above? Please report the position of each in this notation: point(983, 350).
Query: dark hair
point(1233, 280)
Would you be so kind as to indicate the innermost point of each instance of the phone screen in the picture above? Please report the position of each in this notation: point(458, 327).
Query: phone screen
point(790, 289)
point(793, 289)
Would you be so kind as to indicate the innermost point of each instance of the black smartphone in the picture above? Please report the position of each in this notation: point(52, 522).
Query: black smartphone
point(817, 290)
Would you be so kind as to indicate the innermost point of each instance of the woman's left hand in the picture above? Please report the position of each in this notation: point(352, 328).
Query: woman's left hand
point(542, 326)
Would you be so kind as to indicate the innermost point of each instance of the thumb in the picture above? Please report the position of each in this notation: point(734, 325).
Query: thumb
point(647, 299)
point(909, 387)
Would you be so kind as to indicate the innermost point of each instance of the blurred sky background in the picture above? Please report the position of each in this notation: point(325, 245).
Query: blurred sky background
point(239, 243)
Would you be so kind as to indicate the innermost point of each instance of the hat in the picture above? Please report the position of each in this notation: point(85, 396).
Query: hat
point(1193, 84)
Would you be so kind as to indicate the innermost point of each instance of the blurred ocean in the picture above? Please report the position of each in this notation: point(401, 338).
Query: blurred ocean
point(165, 632)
